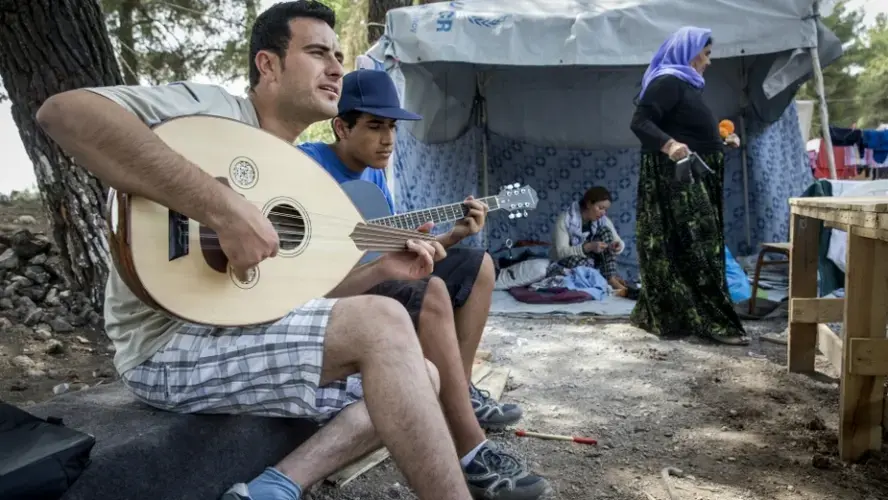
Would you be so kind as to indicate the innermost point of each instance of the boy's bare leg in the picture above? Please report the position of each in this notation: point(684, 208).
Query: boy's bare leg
point(374, 336)
point(440, 346)
point(471, 318)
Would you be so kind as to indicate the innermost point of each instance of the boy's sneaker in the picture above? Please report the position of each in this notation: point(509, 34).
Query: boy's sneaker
point(496, 475)
point(237, 492)
point(491, 414)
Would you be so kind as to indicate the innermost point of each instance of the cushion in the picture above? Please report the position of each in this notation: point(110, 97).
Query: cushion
point(522, 274)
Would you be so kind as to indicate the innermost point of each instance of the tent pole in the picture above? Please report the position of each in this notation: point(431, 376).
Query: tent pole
point(744, 158)
point(485, 187)
point(821, 97)
point(744, 164)
point(482, 120)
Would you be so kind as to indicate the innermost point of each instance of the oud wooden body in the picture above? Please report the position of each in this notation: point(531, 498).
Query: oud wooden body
point(268, 172)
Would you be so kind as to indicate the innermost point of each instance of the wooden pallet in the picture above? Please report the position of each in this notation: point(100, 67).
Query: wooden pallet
point(484, 375)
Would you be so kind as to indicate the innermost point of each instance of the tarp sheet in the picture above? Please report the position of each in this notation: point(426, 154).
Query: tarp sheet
point(591, 32)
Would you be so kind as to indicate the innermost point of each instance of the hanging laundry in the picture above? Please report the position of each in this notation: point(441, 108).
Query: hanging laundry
point(852, 156)
point(877, 140)
point(847, 137)
point(843, 170)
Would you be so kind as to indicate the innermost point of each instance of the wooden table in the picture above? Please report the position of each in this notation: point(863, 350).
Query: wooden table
point(861, 353)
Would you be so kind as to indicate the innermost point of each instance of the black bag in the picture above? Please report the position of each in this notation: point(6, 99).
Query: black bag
point(690, 169)
point(39, 459)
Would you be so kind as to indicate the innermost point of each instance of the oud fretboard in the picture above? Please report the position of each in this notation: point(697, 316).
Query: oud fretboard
point(438, 215)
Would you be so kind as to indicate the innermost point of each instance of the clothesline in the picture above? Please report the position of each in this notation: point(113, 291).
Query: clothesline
point(856, 152)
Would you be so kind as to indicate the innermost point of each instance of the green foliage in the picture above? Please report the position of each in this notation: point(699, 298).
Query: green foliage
point(317, 132)
point(159, 41)
point(873, 80)
point(839, 81)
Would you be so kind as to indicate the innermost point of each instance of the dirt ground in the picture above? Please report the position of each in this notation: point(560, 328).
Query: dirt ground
point(731, 418)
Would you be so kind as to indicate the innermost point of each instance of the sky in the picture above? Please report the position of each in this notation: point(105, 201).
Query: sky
point(18, 174)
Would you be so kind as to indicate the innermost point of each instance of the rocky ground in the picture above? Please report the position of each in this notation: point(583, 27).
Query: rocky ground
point(48, 343)
point(731, 418)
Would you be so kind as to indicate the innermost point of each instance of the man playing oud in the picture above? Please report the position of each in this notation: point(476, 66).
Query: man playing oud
point(295, 80)
point(308, 355)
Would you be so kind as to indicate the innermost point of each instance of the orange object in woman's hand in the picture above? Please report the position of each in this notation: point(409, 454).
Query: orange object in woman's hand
point(725, 128)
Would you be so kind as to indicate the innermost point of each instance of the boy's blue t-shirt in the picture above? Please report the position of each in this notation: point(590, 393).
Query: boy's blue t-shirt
point(324, 154)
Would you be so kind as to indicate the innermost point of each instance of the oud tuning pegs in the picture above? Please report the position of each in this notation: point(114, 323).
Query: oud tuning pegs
point(516, 186)
point(512, 215)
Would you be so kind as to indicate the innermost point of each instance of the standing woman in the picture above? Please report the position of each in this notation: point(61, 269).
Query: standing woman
point(680, 229)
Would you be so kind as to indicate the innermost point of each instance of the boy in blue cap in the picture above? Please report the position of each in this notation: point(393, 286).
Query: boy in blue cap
point(449, 308)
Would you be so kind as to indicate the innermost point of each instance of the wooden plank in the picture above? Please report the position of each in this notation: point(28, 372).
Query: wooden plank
point(355, 470)
point(495, 384)
point(885, 414)
point(861, 399)
point(805, 310)
point(862, 203)
point(870, 220)
point(480, 371)
point(484, 376)
point(830, 344)
point(868, 357)
point(875, 234)
point(801, 344)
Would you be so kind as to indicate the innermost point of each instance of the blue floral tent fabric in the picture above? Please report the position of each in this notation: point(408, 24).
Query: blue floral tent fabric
point(541, 93)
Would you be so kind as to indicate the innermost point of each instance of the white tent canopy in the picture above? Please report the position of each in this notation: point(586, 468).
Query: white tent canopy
point(590, 55)
point(544, 90)
point(590, 32)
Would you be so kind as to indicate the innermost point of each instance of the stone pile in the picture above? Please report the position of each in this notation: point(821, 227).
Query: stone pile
point(34, 290)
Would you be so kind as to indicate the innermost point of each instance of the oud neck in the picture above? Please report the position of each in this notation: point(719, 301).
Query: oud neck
point(438, 215)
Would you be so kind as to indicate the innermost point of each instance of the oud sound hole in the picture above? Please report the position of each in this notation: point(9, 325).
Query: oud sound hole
point(291, 226)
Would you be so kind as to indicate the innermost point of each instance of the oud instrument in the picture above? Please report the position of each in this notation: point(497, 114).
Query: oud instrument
point(175, 265)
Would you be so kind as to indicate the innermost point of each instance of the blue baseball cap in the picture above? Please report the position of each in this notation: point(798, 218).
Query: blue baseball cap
point(372, 91)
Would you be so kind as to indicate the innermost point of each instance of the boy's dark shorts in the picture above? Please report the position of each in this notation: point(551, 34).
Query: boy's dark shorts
point(458, 271)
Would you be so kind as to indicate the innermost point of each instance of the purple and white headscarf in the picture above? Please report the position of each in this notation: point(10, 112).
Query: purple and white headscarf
point(675, 55)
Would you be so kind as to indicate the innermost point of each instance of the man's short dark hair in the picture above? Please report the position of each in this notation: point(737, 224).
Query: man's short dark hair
point(271, 31)
point(350, 118)
point(595, 194)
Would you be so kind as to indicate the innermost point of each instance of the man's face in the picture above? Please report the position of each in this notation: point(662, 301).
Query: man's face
point(371, 140)
point(308, 81)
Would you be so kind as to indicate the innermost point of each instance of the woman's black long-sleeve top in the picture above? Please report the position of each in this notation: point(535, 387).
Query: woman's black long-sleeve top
point(674, 109)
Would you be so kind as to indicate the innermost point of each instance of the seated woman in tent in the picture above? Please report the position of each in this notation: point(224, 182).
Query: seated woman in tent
point(584, 236)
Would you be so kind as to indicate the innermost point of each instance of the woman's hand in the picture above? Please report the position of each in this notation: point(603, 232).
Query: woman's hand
point(594, 247)
point(677, 150)
point(732, 141)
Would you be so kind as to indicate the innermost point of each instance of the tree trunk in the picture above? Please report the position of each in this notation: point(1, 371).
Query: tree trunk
point(376, 16)
point(47, 47)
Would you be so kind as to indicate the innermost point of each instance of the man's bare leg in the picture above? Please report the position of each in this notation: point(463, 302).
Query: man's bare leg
point(374, 336)
point(471, 318)
point(343, 440)
point(439, 345)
